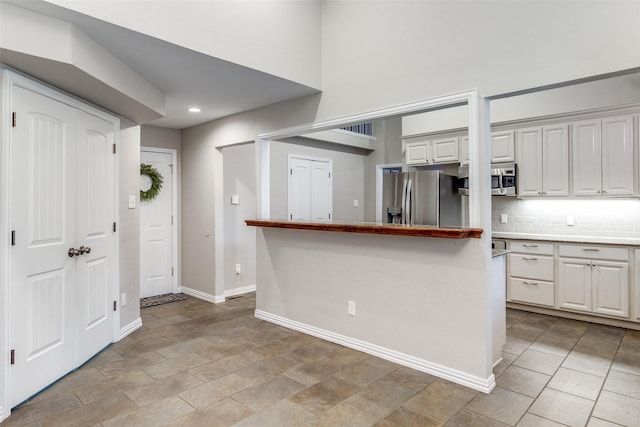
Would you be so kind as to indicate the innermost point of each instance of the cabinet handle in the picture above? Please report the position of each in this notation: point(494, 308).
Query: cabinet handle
point(530, 283)
point(530, 259)
point(591, 250)
point(530, 246)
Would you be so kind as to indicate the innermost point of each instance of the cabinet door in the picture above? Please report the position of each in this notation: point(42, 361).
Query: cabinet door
point(574, 284)
point(529, 159)
point(636, 287)
point(610, 281)
point(586, 161)
point(417, 153)
point(555, 160)
point(444, 150)
point(617, 156)
point(502, 147)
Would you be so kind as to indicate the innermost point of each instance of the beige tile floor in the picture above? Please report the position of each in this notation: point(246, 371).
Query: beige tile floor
point(198, 364)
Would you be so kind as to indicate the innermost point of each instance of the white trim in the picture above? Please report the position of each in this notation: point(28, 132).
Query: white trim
point(215, 299)
point(174, 209)
point(379, 170)
point(453, 375)
point(130, 328)
point(239, 291)
point(218, 225)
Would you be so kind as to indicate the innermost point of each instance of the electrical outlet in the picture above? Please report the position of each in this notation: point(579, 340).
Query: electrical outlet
point(123, 300)
point(351, 308)
point(238, 269)
point(132, 201)
point(503, 218)
point(356, 203)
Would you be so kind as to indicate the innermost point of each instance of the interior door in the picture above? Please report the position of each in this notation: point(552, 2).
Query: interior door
point(321, 198)
point(61, 199)
point(156, 245)
point(299, 189)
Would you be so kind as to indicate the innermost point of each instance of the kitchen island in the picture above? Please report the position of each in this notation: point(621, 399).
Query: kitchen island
point(422, 300)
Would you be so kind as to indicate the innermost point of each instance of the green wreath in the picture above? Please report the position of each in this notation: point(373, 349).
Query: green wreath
point(156, 182)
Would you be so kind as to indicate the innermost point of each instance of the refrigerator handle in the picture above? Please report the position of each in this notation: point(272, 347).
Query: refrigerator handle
point(409, 203)
point(404, 202)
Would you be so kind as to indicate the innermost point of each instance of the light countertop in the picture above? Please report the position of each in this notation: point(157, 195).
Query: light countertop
point(568, 239)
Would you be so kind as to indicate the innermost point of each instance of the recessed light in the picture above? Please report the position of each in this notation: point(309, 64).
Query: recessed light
point(193, 110)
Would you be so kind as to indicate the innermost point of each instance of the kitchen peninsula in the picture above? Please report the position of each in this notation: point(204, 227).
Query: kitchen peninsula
point(408, 299)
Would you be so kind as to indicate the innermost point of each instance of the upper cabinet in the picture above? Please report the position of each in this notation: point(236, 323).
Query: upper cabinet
point(543, 161)
point(603, 157)
point(422, 151)
point(502, 147)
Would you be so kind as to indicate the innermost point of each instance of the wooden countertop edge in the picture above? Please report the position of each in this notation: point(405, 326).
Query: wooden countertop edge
point(386, 230)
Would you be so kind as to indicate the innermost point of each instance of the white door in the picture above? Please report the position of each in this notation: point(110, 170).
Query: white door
point(617, 156)
point(61, 200)
point(156, 230)
point(310, 189)
point(555, 160)
point(586, 158)
point(574, 284)
point(321, 197)
point(529, 162)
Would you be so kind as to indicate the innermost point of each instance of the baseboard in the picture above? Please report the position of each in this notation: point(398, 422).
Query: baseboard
point(239, 291)
point(453, 375)
point(130, 328)
point(216, 299)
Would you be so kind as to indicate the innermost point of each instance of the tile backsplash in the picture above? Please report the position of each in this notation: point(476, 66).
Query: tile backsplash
point(596, 218)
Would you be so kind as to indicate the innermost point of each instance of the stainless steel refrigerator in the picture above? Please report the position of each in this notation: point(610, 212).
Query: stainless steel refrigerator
point(421, 198)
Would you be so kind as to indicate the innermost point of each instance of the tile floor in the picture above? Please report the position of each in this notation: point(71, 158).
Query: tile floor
point(198, 364)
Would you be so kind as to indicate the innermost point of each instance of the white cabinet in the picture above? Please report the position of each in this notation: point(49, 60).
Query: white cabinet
point(602, 157)
point(531, 273)
point(543, 161)
point(594, 279)
point(422, 151)
point(636, 257)
point(502, 147)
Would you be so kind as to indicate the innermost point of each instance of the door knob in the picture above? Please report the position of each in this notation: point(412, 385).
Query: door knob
point(80, 251)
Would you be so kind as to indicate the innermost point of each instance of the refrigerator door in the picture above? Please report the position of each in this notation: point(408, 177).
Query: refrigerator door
point(425, 198)
point(450, 202)
point(393, 185)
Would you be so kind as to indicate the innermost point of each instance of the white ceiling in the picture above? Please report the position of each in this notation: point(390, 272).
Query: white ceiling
point(188, 78)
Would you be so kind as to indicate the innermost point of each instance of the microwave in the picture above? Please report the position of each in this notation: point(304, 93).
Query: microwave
point(503, 179)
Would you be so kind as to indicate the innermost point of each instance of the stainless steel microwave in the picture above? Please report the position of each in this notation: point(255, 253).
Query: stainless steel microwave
point(503, 179)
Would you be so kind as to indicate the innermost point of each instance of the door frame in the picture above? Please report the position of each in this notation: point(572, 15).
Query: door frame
point(174, 211)
point(10, 79)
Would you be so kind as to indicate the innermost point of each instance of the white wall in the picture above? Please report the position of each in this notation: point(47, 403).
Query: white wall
point(412, 50)
point(278, 37)
point(239, 239)
point(129, 223)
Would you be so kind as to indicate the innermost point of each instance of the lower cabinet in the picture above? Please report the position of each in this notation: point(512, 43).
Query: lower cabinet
point(591, 279)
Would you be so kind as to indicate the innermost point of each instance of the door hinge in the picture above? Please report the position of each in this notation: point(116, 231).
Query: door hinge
point(13, 357)
point(115, 305)
point(171, 219)
point(329, 216)
point(114, 227)
point(13, 237)
point(329, 174)
point(171, 271)
point(290, 171)
point(291, 216)
point(13, 119)
point(114, 148)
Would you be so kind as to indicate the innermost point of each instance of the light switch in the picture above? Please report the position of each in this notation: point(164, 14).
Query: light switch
point(132, 201)
point(356, 203)
point(235, 200)
point(570, 220)
point(503, 218)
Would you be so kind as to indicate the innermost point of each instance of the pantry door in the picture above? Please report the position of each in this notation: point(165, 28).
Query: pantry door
point(156, 228)
point(61, 200)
